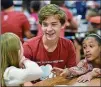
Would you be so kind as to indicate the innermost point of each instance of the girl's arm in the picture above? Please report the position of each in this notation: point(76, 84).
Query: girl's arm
point(81, 68)
point(14, 76)
point(96, 72)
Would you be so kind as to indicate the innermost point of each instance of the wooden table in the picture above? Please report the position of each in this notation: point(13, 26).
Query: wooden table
point(62, 81)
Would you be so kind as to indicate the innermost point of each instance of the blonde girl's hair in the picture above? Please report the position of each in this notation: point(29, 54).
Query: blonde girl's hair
point(10, 45)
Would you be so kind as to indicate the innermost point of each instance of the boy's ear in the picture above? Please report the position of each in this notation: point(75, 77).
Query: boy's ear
point(65, 24)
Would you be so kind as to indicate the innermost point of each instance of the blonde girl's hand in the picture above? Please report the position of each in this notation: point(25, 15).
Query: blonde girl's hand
point(60, 72)
point(65, 73)
point(85, 78)
point(21, 63)
point(28, 84)
point(57, 71)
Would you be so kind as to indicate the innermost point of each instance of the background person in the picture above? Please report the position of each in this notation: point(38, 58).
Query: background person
point(14, 21)
point(33, 19)
point(94, 24)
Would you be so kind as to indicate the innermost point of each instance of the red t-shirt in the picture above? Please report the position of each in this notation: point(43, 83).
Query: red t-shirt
point(15, 22)
point(63, 55)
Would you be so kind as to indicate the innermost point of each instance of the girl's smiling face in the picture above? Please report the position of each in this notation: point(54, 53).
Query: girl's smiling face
point(91, 48)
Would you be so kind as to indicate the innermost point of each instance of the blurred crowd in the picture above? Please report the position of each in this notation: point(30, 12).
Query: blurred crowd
point(83, 18)
point(56, 32)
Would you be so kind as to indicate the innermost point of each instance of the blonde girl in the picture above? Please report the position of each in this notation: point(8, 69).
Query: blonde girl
point(15, 68)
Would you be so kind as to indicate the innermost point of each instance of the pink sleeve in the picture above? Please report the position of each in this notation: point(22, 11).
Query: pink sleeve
point(81, 68)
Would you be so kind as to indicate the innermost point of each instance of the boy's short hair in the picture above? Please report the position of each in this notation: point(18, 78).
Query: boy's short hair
point(49, 10)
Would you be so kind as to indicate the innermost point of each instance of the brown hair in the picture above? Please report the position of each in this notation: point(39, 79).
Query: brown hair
point(52, 9)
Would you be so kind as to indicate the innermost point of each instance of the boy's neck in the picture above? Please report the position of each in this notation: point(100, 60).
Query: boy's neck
point(50, 45)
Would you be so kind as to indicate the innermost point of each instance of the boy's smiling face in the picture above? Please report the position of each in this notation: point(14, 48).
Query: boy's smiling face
point(51, 27)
